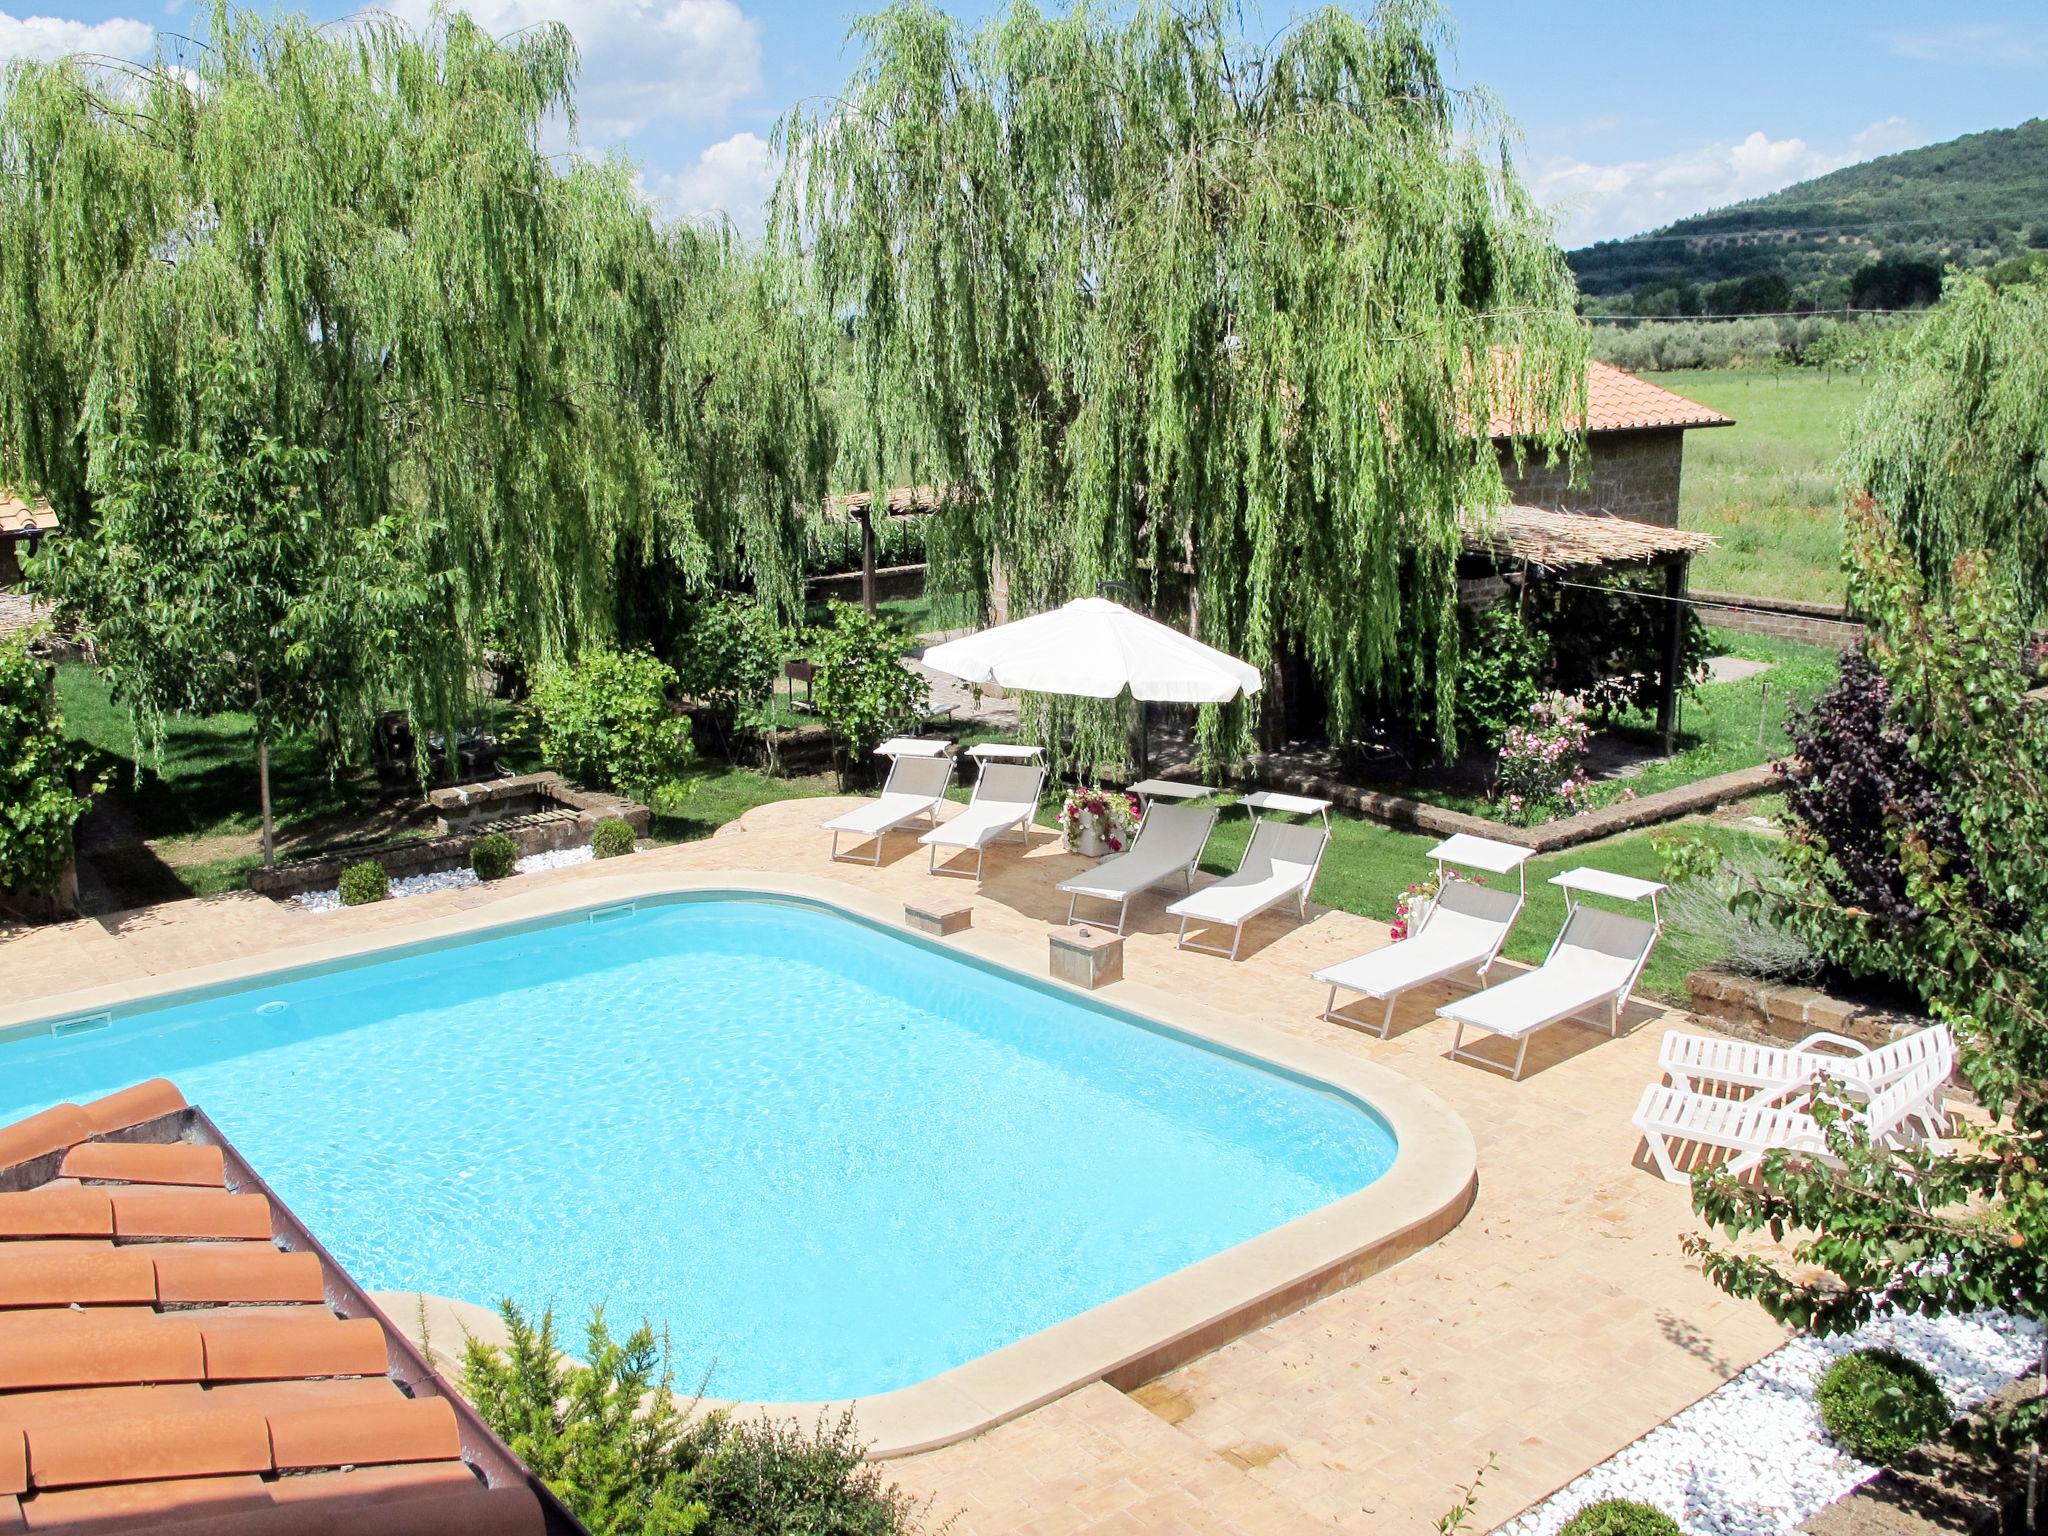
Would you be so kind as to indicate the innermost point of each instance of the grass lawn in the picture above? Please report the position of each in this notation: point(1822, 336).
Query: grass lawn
point(1726, 726)
point(1722, 727)
point(1766, 486)
point(705, 799)
point(191, 809)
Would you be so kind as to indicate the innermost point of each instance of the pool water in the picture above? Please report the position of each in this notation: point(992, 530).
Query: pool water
point(829, 1159)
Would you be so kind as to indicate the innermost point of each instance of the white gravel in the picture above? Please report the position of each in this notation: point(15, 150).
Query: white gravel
point(445, 879)
point(1752, 1459)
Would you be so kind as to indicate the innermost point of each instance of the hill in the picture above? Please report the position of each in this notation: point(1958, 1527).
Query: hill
point(1973, 201)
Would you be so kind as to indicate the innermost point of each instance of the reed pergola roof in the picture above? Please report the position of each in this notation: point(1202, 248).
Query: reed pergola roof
point(1578, 541)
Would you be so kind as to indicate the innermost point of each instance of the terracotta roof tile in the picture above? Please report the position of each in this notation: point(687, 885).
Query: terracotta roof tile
point(270, 1347)
point(135, 1162)
point(51, 1131)
point(83, 1279)
point(85, 1405)
point(132, 1106)
point(1618, 401)
point(219, 1273)
point(202, 1442)
point(21, 517)
point(403, 1480)
point(143, 1506)
point(173, 1358)
point(56, 1213)
point(13, 1459)
point(89, 1349)
point(147, 1213)
point(304, 1439)
point(323, 1392)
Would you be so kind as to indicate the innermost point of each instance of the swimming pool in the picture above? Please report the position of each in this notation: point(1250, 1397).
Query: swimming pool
point(832, 1160)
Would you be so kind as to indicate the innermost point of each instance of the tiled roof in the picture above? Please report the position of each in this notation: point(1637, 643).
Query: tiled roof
point(20, 518)
point(1567, 541)
point(179, 1355)
point(1618, 401)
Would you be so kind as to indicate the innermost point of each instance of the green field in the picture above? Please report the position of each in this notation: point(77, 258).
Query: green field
point(1766, 486)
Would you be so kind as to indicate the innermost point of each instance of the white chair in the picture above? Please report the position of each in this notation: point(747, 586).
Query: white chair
point(1750, 1128)
point(1005, 799)
point(1594, 962)
point(1280, 862)
point(1462, 931)
point(919, 771)
point(1169, 842)
point(1772, 1070)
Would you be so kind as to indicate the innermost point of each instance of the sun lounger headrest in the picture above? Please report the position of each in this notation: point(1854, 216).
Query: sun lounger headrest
point(919, 776)
point(1612, 934)
point(1286, 842)
point(1488, 903)
point(1011, 783)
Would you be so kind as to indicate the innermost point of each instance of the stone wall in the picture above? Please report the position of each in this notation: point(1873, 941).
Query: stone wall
point(891, 581)
point(572, 816)
point(1629, 474)
point(1783, 617)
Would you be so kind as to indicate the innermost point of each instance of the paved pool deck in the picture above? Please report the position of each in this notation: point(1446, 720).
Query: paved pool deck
point(1557, 1322)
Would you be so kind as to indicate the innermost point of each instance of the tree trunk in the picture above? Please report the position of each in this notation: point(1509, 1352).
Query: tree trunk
point(263, 778)
point(867, 560)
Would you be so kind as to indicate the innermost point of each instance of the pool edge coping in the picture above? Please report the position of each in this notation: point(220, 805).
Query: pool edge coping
point(1124, 1341)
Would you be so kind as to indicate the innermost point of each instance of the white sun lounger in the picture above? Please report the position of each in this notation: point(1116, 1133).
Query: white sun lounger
point(1169, 842)
point(1280, 862)
point(1462, 931)
point(1691, 1060)
point(1005, 799)
point(1750, 1128)
point(1593, 963)
point(919, 771)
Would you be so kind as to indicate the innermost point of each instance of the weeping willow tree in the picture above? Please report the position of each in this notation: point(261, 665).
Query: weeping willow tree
point(490, 352)
point(1224, 324)
point(1953, 440)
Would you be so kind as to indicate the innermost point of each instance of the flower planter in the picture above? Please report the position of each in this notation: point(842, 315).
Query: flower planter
point(1089, 845)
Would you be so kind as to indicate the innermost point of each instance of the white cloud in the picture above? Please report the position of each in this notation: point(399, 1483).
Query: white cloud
point(1604, 201)
point(1997, 46)
point(644, 61)
point(51, 37)
point(734, 178)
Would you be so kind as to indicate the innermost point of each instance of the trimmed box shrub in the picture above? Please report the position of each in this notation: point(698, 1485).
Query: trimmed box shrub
point(492, 856)
point(611, 837)
point(1878, 1405)
point(364, 883)
point(1621, 1517)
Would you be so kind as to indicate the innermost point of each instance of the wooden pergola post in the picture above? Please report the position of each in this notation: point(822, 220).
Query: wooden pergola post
point(1674, 651)
point(867, 556)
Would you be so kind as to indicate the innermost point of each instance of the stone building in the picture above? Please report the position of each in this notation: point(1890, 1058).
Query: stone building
point(1635, 441)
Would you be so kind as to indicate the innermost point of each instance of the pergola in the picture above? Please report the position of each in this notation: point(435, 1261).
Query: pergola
point(1536, 543)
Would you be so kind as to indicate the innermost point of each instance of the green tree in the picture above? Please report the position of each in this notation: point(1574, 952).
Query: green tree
point(1953, 440)
point(1921, 1230)
point(729, 657)
point(212, 580)
point(607, 1437)
point(38, 806)
point(462, 333)
point(605, 720)
point(1195, 315)
point(863, 689)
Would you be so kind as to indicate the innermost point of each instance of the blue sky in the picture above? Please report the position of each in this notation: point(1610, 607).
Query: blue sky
point(1632, 114)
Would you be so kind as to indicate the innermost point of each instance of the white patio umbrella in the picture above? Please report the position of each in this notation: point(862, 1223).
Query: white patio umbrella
point(1095, 649)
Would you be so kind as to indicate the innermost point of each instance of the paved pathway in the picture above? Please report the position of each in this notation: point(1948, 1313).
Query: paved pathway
point(1554, 1325)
